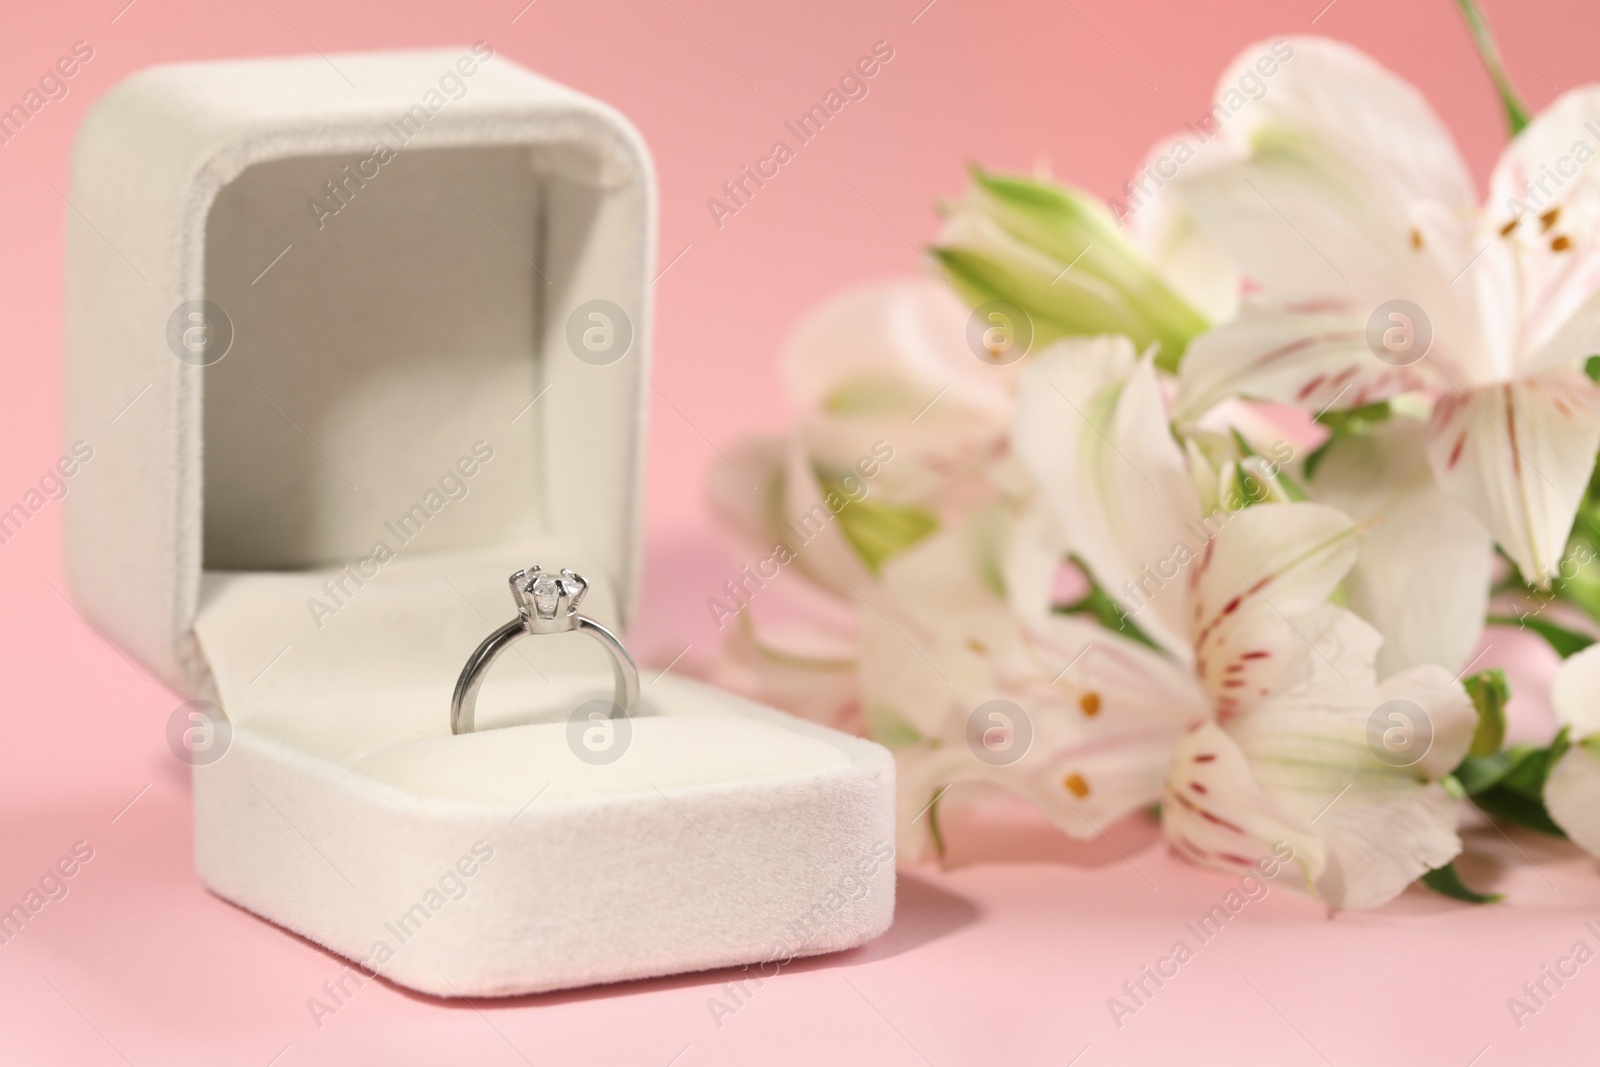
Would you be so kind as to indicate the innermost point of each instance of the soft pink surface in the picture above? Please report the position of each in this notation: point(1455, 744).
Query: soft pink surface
point(1007, 957)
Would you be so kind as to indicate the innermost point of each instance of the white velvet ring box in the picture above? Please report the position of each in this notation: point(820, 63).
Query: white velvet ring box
point(315, 530)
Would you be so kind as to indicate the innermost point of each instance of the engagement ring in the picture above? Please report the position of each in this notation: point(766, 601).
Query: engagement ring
point(546, 604)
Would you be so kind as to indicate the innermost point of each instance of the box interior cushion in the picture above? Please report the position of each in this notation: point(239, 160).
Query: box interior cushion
point(373, 345)
point(372, 356)
point(388, 340)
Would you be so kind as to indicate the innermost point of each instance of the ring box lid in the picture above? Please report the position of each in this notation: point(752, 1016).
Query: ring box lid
point(399, 244)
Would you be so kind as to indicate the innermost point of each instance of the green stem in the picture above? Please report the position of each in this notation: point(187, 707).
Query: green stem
point(933, 827)
point(1516, 112)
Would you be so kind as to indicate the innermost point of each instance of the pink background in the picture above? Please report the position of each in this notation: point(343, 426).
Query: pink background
point(1010, 954)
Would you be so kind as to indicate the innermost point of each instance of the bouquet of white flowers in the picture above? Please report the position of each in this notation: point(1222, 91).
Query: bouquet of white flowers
point(1202, 500)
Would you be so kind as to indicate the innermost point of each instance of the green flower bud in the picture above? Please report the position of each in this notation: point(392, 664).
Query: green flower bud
point(1056, 252)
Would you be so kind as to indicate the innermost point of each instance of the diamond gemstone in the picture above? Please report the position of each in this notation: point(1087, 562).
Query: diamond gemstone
point(546, 591)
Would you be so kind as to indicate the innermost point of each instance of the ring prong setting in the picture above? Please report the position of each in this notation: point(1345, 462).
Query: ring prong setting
point(547, 602)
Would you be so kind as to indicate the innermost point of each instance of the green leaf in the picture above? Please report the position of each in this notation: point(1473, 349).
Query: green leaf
point(1249, 490)
point(1444, 880)
point(1317, 455)
point(1530, 765)
point(1577, 580)
point(890, 728)
point(1348, 423)
point(1582, 588)
point(1591, 367)
point(1357, 420)
point(1516, 111)
point(934, 829)
point(1511, 806)
point(1566, 642)
point(1291, 488)
point(1510, 785)
point(1578, 575)
point(1475, 774)
point(1490, 692)
point(1107, 613)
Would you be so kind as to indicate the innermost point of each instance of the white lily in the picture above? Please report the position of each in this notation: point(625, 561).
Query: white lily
point(1572, 788)
point(1277, 687)
point(1340, 191)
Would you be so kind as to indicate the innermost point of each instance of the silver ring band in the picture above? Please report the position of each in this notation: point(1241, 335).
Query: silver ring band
point(546, 604)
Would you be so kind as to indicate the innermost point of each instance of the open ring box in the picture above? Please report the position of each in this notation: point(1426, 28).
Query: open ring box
point(396, 257)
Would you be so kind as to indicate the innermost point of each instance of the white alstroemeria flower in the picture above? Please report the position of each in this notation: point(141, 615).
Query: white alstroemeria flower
point(1339, 192)
point(882, 371)
point(1572, 788)
point(1181, 255)
point(899, 426)
point(1280, 751)
point(805, 665)
point(1422, 576)
point(962, 683)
